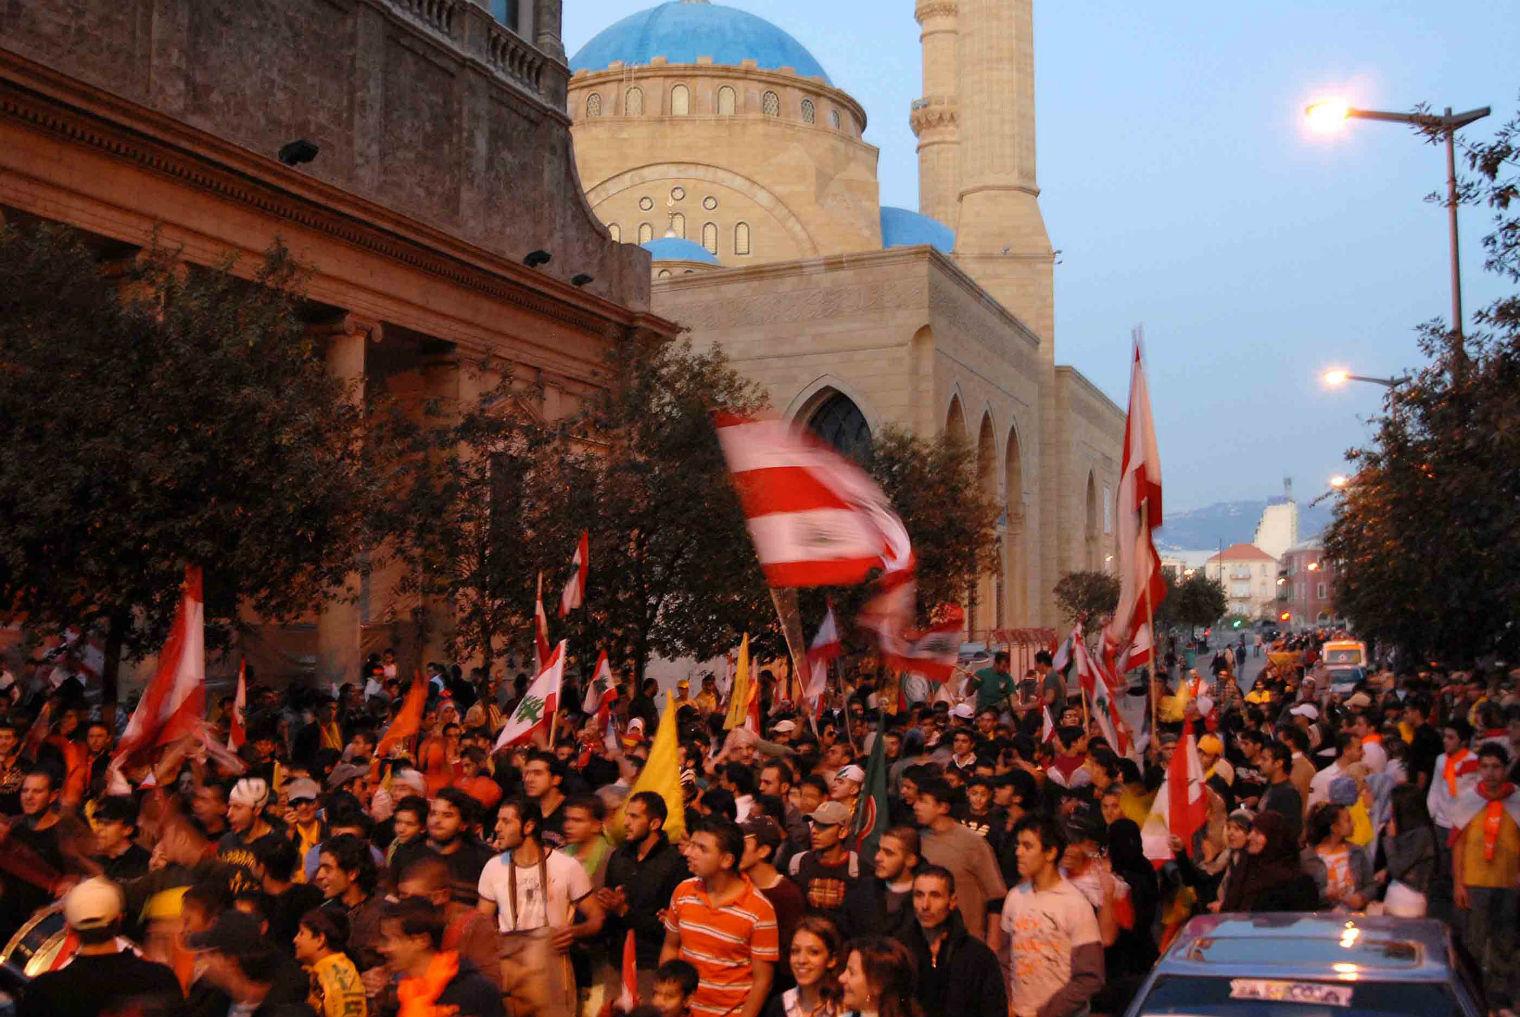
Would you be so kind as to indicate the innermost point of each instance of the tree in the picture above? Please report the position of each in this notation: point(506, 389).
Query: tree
point(1196, 600)
point(1424, 536)
point(166, 418)
point(1089, 595)
point(674, 572)
point(494, 499)
point(952, 521)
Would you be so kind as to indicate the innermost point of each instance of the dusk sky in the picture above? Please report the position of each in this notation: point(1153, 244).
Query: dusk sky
point(1185, 194)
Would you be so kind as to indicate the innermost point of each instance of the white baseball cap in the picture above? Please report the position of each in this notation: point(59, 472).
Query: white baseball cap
point(92, 904)
point(851, 772)
point(1306, 710)
point(965, 711)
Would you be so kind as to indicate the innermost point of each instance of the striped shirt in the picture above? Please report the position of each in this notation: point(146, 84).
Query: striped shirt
point(721, 943)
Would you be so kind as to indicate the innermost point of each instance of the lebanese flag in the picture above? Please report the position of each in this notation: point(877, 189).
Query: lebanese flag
point(1047, 726)
point(237, 730)
point(1127, 641)
point(540, 628)
point(933, 654)
point(826, 647)
point(601, 692)
point(175, 696)
point(539, 704)
point(574, 594)
point(1181, 807)
point(628, 996)
point(815, 517)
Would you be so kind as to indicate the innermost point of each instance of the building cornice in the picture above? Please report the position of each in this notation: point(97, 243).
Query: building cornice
point(1073, 374)
point(584, 80)
point(45, 101)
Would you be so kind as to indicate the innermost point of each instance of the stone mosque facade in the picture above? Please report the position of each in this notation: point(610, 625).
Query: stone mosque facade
point(716, 141)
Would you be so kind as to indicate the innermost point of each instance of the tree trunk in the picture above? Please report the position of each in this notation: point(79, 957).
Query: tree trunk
point(110, 669)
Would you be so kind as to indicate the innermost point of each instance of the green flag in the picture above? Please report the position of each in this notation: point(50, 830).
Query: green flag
point(872, 812)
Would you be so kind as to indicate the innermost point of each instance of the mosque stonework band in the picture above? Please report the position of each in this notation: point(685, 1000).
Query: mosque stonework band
point(714, 139)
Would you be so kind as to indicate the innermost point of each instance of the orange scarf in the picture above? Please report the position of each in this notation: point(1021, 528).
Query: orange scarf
point(1493, 817)
point(417, 995)
point(1450, 771)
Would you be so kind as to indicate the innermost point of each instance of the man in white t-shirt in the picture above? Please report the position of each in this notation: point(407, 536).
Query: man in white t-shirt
point(537, 922)
point(1055, 952)
point(1349, 747)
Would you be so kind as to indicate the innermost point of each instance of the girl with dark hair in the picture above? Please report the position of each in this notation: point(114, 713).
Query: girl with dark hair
point(815, 959)
point(321, 938)
point(878, 980)
point(1340, 869)
point(1409, 850)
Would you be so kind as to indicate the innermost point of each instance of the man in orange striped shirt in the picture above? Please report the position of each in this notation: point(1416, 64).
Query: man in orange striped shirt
point(722, 925)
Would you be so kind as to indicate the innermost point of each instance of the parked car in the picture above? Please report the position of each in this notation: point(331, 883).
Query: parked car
point(1310, 965)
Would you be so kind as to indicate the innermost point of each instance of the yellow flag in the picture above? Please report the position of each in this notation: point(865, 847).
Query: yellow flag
point(738, 703)
point(662, 773)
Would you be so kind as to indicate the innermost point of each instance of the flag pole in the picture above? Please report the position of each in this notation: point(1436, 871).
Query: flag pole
point(784, 599)
point(1150, 620)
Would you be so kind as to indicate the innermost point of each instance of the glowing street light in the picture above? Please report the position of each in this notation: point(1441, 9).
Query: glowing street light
point(1326, 115)
point(1339, 481)
point(1336, 377)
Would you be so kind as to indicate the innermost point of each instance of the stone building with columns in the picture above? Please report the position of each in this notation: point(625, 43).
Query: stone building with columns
point(714, 139)
point(440, 177)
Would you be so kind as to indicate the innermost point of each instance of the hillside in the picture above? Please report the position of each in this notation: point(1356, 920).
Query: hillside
point(1229, 522)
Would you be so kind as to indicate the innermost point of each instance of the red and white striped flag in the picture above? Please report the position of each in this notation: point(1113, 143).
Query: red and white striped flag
point(540, 628)
point(1127, 640)
point(574, 594)
point(1181, 807)
point(539, 704)
point(628, 995)
point(826, 647)
point(175, 697)
point(601, 691)
point(933, 654)
point(237, 728)
point(1047, 726)
point(816, 518)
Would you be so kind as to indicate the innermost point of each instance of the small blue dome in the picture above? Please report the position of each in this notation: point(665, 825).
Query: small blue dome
point(902, 228)
point(683, 30)
point(676, 249)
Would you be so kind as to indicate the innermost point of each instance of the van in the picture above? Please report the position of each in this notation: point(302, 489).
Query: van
point(1344, 653)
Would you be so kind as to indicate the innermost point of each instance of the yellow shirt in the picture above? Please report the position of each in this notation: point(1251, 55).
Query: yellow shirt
point(1504, 870)
point(335, 988)
point(1361, 824)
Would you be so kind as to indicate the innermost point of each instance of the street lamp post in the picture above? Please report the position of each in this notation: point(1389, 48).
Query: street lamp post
point(1326, 114)
point(1336, 377)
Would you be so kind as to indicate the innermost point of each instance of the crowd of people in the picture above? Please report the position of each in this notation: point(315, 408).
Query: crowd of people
point(329, 870)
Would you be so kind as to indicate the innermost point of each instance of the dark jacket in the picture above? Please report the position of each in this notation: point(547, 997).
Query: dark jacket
point(965, 981)
point(865, 911)
point(649, 885)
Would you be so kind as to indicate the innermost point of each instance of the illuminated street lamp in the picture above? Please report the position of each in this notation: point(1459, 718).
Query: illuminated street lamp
point(1328, 114)
point(1339, 481)
point(1335, 377)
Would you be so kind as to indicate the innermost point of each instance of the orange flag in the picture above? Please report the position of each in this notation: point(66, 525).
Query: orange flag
point(408, 721)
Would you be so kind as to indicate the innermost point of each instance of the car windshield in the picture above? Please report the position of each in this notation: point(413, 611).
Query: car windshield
point(1243, 997)
point(1346, 656)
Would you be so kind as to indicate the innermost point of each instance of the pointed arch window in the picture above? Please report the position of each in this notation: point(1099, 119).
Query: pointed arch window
point(646, 232)
point(809, 112)
point(680, 101)
point(633, 102)
point(727, 101)
point(834, 119)
point(616, 233)
point(710, 237)
point(839, 422)
point(594, 104)
point(741, 238)
point(770, 104)
point(678, 224)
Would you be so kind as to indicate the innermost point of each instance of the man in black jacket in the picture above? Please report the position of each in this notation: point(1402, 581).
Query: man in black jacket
point(882, 904)
point(958, 975)
point(642, 875)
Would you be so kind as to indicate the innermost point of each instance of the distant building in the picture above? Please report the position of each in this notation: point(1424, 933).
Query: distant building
point(1278, 528)
point(1309, 582)
point(1249, 577)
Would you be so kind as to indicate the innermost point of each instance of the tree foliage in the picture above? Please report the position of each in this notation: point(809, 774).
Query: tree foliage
point(1427, 535)
point(1195, 600)
point(167, 417)
point(1090, 595)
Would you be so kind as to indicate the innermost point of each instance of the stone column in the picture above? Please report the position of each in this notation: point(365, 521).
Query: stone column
point(442, 374)
point(547, 16)
point(339, 655)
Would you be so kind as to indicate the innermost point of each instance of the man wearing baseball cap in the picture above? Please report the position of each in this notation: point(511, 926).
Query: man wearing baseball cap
point(103, 977)
point(826, 873)
point(762, 838)
point(846, 786)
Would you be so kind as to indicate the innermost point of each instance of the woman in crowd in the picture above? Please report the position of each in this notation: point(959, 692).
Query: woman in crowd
point(1272, 878)
point(878, 980)
point(1409, 847)
point(815, 961)
point(1340, 869)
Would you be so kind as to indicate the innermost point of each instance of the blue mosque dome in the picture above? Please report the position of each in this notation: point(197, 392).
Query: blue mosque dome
point(676, 249)
point(683, 30)
point(902, 228)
